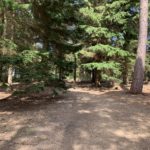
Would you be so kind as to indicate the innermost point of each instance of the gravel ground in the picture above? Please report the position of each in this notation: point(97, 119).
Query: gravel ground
point(83, 119)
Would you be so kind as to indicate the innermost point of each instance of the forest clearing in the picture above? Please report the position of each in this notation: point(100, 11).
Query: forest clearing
point(74, 75)
point(82, 119)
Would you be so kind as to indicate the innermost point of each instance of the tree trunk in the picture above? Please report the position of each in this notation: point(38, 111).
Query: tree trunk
point(60, 73)
point(75, 68)
point(138, 76)
point(10, 75)
point(10, 67)
point(93, 76)
point(125, 72)
point(1, 70)
point(4, 36)
point(45, 44)
point(97, 77)
point(4, 22)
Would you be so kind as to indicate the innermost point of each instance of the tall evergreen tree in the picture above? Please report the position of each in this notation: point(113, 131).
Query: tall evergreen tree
point(138, 78)
point(107, 28)
point(56, 28)
point(12, 22)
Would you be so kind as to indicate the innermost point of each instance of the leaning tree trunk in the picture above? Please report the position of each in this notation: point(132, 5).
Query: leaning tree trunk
point(138, 76)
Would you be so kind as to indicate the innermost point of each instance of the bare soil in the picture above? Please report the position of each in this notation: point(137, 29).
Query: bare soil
point(82, 119)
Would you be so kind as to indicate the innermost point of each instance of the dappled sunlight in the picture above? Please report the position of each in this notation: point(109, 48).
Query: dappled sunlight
point(84, 111)
point(6, 136)
point(4, 95)
point(81, 120)
point(130, 135)
point(104, 115)
point(77, 147)
point(84, 134)
point(87, 90)
point(67, 71)
point(6, 113)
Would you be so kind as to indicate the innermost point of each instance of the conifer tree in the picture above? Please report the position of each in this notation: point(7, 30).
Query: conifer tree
point(55, 25)
point(139, 69)
point(106, 29)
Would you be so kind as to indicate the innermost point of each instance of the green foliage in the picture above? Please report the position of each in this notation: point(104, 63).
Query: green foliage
point(103, 66)
point(107, 35)
point(31, 89)
point(30, 57)
point(35, 88)
point(7, 47)
point(109, 70)
point(109, 51)
point(35, 66)
point(4, 86)
point(103, 34)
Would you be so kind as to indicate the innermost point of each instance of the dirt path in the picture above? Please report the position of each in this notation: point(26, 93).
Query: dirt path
point(4, 94)
point(83, 120)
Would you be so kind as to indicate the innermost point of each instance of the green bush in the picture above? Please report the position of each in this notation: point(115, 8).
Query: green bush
point(35, 88)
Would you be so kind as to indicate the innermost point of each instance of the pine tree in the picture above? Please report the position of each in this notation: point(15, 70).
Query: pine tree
point(55, 25)
point(107, 28)
point(11, 35)
point(137, 84)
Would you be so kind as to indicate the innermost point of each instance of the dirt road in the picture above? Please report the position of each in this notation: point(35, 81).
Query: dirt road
point(83, 120)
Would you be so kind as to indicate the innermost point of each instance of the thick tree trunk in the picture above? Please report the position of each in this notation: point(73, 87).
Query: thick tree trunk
point(138, 77)
point(95, 77)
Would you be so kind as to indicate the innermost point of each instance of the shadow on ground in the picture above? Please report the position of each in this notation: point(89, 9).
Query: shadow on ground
point(83, 119)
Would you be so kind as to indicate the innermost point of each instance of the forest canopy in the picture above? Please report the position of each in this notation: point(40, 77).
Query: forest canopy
point(80, 40)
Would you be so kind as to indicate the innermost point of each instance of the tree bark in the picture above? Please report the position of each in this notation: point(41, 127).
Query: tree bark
point(93, 76)
point(75, 68)
point(45, 44)
point(10, 67)
point(10, 75)
point(138, 76)
point(125, 72)
point(60, 73)
point(4, 22)
point(1, 70)
point(3, 35)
